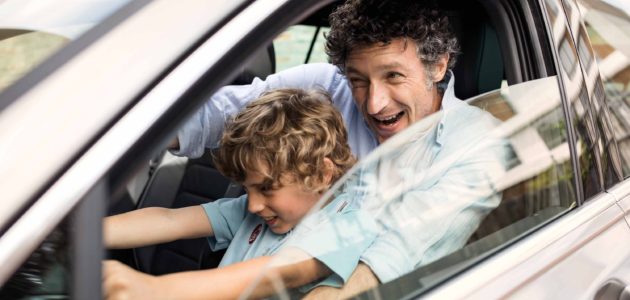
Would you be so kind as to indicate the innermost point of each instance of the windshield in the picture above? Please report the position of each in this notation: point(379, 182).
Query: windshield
point(32, 30)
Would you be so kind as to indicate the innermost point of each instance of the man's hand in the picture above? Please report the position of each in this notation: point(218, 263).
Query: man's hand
point(121, 282)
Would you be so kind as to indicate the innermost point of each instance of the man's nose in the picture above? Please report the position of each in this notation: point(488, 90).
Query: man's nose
point(377, 99)
point(254, 203)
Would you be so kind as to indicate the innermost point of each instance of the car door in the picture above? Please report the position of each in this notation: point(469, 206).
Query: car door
point(99, 109)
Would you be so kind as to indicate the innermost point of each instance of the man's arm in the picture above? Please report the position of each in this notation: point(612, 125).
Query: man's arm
point(434, 209)
point(174, 144)
point(155, 225)
point(258, 277)
point(362, 279)
point(205, 127)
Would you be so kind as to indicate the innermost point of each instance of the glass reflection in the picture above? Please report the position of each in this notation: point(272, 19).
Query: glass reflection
point(501, 171)
point(608, 29)
point(568, 59)
point(605, 153)
point(581, 112)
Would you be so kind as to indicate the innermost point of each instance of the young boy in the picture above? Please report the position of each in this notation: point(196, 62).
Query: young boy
point(286, 148)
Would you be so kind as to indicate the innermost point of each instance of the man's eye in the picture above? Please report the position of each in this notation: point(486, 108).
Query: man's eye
point(394, 75)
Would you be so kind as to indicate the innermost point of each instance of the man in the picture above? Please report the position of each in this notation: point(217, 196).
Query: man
point(393, 61)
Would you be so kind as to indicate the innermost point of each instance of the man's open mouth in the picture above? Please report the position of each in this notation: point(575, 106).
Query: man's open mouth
point(391, 120)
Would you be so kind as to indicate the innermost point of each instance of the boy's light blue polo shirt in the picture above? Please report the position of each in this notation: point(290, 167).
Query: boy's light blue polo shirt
point(336, 235)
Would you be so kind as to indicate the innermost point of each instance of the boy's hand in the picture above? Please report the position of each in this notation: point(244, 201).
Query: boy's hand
point(123, 282)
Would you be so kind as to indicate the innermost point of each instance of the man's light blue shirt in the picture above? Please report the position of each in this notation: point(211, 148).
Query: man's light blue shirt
point(430, 186)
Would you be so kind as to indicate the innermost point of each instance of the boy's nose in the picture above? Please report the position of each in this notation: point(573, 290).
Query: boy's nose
point(254, 204)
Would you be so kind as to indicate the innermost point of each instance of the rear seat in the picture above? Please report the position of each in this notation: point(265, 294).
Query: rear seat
point(179, 182)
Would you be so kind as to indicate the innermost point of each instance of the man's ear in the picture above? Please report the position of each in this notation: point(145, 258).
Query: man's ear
point(440, 67)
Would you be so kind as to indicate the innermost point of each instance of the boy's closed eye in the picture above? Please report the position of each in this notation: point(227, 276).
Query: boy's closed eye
point(264, 189)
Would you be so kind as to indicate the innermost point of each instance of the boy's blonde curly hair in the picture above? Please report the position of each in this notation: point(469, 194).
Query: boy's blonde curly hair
point(285, 135)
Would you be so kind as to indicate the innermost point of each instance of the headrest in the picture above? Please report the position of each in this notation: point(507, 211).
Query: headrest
point(479, 67)
point(261, 64)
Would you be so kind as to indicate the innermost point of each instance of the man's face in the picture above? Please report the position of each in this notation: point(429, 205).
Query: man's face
point(390, 86)
point(282, 208)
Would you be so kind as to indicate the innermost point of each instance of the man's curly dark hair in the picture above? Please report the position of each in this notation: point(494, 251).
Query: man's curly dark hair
point(360, 23)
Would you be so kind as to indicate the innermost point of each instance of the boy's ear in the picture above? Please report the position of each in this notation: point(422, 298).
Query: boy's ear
point(329, 168)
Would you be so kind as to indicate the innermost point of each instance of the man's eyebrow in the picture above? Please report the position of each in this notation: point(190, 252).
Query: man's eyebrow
point(388, 66)
point(393, 65)
point(352, 70)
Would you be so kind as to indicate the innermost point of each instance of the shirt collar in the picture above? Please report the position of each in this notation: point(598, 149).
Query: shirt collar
point(449, 101)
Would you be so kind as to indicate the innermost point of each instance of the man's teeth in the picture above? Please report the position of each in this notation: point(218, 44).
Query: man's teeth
point(391, 120)
point(388, 119)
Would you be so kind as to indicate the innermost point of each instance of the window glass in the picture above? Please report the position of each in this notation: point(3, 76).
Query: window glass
point(567, 57)
point(46, 274)
point(607, 27)
point(461, 183)
point(583, 125)
point(604, 152)
point(32, 30)
point(292, 46)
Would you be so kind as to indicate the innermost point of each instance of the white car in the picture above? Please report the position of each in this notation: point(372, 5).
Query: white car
point(91, 93)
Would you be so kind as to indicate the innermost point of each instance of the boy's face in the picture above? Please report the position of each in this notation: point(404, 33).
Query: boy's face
point(390, 86)
point(281, 209)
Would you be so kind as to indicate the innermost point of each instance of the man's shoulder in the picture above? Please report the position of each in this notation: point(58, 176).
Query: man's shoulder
point(470, 116)
point(465, 125)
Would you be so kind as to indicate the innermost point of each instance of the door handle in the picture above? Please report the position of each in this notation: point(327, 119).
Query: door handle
point(613, 289)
